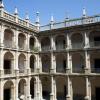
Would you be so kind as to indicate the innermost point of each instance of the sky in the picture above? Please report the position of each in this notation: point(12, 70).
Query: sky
point(58, 8)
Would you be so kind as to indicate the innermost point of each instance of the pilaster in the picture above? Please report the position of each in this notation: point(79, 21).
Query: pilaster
point(87, 62)
point(86, 36)
point(69, 63)
point(88, 89)
point(53, 89)
point(69, 95)
point(1, 89)
point(1, 62)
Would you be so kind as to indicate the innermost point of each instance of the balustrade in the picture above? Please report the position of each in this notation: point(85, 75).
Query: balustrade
point(72, 22)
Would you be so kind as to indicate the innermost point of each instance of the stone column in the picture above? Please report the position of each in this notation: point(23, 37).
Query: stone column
point(69, 63)
point(25, 91)
point(1, 90)
point(40, 85)
point(28, 42)
point(87, 62)
point(53, 89)
point(28, 89)
point(68, 41)
point(88, 89)
point(69, 95)
point(28, 64)
point(16, 89)
point(86, 39)
point(53, 63)
point(12, 92)
point(38, 89)
point(1, 63)
point(40, 64)
point(16, 63)
point(53, 46)
point(35, 89)
point(2, 29)
point(16, 39)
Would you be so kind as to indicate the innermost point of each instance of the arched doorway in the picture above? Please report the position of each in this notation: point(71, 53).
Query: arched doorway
point(21, 63)
point(9, 90)
point(45, 44)
point(46, 63)
point(77, 41)
point(22, 89)
point(8, 38)
point(60, 42)
point(21, 41)
point(8, 63)
point(32, 63)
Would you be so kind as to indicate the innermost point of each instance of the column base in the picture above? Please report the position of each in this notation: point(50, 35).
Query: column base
point(28, 71)
point(51, 96)
point(86, 98)
point(17, 99)
point(1, 72)
point(68, 97)
point(16, 72)
point(87, 71)
point(38, 70)
point(52, 71)
point(68, 70)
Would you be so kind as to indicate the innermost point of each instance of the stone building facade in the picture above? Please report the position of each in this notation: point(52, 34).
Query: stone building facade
point(58, 61)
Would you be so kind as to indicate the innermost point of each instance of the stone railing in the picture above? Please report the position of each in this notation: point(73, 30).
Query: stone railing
point(15, 19)
point(71, 22)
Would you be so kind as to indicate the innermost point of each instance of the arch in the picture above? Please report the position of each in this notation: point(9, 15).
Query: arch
point(95, 62)
point(22, 89)
point(61, 88)
point(60, 42)
point(8, 90)
point(8, 38)
point(45, 43)
point(21, 41)
point(79, 63)
point(46, 63)
point(32, 86)
point(61, 63)
point(78, 89)
point(32, 63)
point(46, 87)
point(8, 62)
point(94, 38)
point(77, 40)
point(21, 62)
point(32, 42)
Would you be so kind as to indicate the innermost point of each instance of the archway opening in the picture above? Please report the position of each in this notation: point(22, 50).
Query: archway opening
point(8, 38)
point(61, 63)
point(78, 64)
point(45, 44)
point(21, 63)
point(32, 43)
point(46, 63)
point(77, 41)
point(60, 42)
point(8, 91)
point(22, 89)
point(32, 63)
point(8, 63)
point(21, 41)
